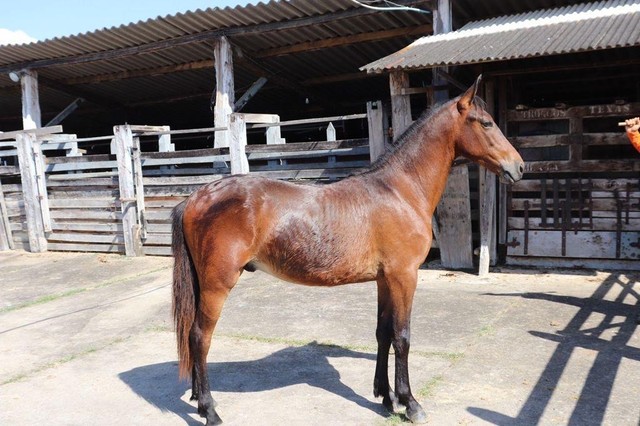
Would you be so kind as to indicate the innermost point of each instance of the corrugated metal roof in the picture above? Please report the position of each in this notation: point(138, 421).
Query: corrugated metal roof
point(577, 28)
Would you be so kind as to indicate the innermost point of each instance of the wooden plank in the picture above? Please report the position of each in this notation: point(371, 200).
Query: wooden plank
point(37, 239)
point(6, 237)
point(124, 145)
point(375, 121)
point(453, 217)
point(86, 226)
point(98, 248)
point(582, 166)
point(598, 184)
point(157, 250)
point(37, 132)
point(579, 244)
point(590, 111)
point(306, 174)
point(225, 92)
point(574, 263)
point(310, 121)
point(308, 154)
point(9, 170)
point(308, 146)
point(139, 188)
point(43, 199)
point(250, 93)
point(599, 224)
point(238, 142)
point(84, 214)
point(78, 237)
point(181, 180)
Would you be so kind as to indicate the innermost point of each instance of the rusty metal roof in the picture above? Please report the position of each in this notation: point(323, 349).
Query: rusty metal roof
point(577, 28)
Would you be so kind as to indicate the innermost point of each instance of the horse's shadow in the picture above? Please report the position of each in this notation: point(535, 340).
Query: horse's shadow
point(158, 383)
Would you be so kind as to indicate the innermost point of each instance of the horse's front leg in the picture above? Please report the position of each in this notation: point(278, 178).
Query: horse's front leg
point(401, 287)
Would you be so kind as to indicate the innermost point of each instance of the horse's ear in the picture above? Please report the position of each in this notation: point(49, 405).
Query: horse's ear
point(467, 97)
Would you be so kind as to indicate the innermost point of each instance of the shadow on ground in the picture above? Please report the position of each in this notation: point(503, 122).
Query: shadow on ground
point(607, 301)
point(159, 385)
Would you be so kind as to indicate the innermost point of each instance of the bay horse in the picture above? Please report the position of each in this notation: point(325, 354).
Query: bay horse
point(371, 226)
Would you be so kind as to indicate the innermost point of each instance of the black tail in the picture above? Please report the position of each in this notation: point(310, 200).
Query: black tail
point(185, 288)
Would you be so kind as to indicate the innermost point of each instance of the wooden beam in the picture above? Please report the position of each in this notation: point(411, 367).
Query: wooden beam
point(31, 116)
point(308, 46)
point(150, 72)
point(250, 93)
point(80, 93)
point(43, 131)
point(225, 94)
point(202, 36)
point(338, 78)
point(65, 112)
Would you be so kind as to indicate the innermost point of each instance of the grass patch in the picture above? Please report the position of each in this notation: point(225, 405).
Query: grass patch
point(61, 361)
point(43, 299)
point(487, 330)
point(395, 419)
point(429, 388)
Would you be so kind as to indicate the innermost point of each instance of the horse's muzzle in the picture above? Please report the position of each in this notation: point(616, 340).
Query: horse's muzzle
point(512, 172)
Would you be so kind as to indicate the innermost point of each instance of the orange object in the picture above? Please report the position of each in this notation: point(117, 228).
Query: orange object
point(634, 137)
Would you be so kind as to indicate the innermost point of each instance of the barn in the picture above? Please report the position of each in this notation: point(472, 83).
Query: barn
point(316, 90)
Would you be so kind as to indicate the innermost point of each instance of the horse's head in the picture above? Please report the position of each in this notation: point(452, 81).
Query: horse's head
point(480, 140)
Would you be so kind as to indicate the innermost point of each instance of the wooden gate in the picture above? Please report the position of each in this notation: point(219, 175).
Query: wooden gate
point(579, 203)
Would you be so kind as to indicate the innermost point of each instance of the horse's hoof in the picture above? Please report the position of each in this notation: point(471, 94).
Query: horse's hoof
point(215, 420)
point(194, 397)
point(416, 415)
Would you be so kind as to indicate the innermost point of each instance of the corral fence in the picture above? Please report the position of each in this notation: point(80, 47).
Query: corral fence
point(58, 197)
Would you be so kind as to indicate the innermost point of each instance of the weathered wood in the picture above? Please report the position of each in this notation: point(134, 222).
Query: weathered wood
point(375, 121)
point(43, 199)
point(59, 118)
point(590, 111)
point(97, 248)
point(87, 227)
point(43, 131)
point(6, 237)
point(310, 121)
point(574, 263)
point(31, 116)
point(453, 216)
point(400, 104)
point(139, 188)
point(250, 93)
point(579, 244)
point(124, 145)
point(238, 142)
point(442, 23)
point(225, 94)
point(86, 238)
point(582, 166)
point(599, 224)
point(35, 224)
point(308, 146)
point(487, 214)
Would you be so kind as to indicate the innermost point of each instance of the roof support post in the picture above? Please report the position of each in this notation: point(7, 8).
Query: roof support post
point(442, 23)
point(400, 103)
point(225, 94)
point(26, 143)
point(31, 117)
point(375, 120)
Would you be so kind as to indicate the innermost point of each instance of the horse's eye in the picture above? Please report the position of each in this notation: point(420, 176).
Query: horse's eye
point(486, 124)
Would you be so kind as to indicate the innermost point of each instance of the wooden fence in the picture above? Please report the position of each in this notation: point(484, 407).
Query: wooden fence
point(579, 204)
point(120, 201)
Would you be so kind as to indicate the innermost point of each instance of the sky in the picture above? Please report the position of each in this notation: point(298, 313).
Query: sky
point(43, 19)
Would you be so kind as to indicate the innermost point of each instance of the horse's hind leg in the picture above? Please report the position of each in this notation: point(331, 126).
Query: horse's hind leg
point(384, 334)
point(213, 293)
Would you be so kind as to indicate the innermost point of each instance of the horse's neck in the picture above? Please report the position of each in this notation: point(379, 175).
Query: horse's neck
point(421, 166)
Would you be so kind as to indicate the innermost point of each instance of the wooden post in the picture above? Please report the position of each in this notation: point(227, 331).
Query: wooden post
point(487, 207)
point(239, 162)
point(6, 236)
point(442, 23)
point(225, 95)
point(35, 225)
point(274, 137)
point(453, 217)
point(31, 117)
point(375, 119)
point(502, 190)
point(131, 229)
point(400, 103)
point(139, 187)
point(43, 197)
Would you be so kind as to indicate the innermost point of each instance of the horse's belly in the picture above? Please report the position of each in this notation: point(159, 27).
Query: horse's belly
point(318, 273)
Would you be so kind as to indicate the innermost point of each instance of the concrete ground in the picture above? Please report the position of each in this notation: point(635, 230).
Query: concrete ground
point(86, 339)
